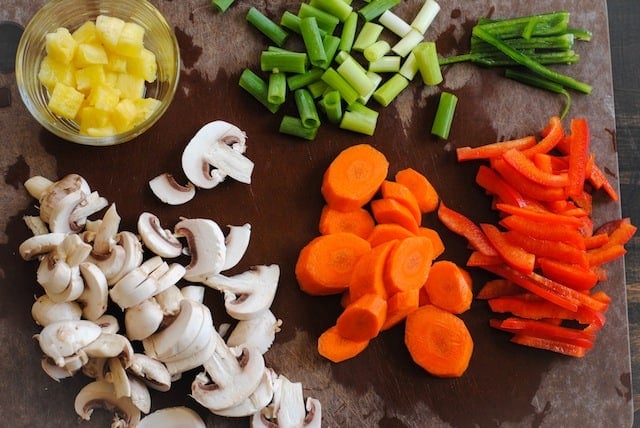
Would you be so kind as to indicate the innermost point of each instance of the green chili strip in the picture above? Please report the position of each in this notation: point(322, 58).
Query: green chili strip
point(332, 78)
point(496, 59)
point(277, 88)
point(444, 115)
point(532, 65)
point(359, 118)
point(375, 8)
point(266, 26)
point(291, 125)
point(367, 36)
point(283, 61)
point(313, 42)
point(545, 25)
point(348, 34)
point(297, 81)
point(252, 83)
point(539, 82)
point(390, 89)
point(306, 108)
point(332, 106)
point(337, 8)
point(427, 58)
point(561, 42)
point(222, 5)
point(326, 21)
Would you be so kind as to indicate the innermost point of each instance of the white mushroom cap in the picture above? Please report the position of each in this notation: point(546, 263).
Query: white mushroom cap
point(45, 311)
point(143, 319)
point(157, 239)
point(40, 244)
point(206, 246)
point(101, 394)
point(169, 191)
point(64, 338)
point(172, 417)
point(108, 323)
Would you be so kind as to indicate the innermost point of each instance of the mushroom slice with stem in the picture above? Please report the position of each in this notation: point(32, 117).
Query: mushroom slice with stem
point(170, 277)
point(169, 191)
point(109, 345)
point(95, 368)
point(91, 204)
point(236, 242)
point(95, 296)
point(258, 332)
point(117, 375)
point(54, 371)
point(258, 399)
point(65, 338)
point(206, 245)
point(143, 319)
point(220, 145)
point(249, 293)
point(160, 241)
point(108, 323)
point(101, 394)
point(169, 300)
point(35, 225)
point(151, 371)
point(73, 290)
point(172, 417)
point(139, 284)
point(74, 250)
point(53, 274)
point(45, 311)
point(38, 245)
point(192, 360)
point(193, 292)
point(60, 217)
point(288, 408)
point(105, 238)
point(133, 253)
point(140, 396)
point(49, 193)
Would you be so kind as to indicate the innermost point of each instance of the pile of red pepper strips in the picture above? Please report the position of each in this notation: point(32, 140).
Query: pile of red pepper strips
point(546, 251)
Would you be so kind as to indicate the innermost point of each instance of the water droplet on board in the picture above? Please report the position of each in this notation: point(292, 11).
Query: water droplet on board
point(10, 33)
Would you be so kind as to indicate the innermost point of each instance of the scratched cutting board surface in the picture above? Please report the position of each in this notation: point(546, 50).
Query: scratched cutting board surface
point(505, 385)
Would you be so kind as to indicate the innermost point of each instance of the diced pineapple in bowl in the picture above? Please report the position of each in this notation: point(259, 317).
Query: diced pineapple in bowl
point(95, 72)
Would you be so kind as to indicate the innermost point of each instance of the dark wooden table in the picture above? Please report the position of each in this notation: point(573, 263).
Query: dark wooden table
point(625, 41)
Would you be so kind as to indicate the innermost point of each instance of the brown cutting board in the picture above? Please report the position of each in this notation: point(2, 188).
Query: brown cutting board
point(505, 385)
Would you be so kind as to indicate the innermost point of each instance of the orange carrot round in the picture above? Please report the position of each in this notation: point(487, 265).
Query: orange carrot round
point(385, 232)
point(336, 348)
point(408, 264)
point(421, 188)
point(358, 221)
point(354, 176)
point(449, 287)
point(438, 341)
point(363, 318)
point(368, 273)
point(400, 305)
point(434, 237)
point(325, 264)
point(386, 210)
point(402, 194)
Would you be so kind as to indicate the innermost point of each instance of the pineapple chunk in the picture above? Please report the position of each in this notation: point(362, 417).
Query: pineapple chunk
point(65, 101)
point(116, 63)
point(144, 65)
point(131, 40)
point(109, 29)
point(52, 71)
point(124, 115)
point(130, 86)
point(86, 33)
point(90, 76)
point(60, 45)
point(146, 107)
point(88, 54)
point(95, 122)
point(104, 97)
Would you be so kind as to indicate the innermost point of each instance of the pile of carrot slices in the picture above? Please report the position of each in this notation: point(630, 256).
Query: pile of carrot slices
point(546, 250)
point(375, 252)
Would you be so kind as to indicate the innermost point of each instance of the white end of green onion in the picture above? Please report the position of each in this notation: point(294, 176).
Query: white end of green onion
point(394, 23)
point(406, 44)
point(425, 16)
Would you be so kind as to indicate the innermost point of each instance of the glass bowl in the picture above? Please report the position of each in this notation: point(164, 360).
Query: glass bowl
point(71, 14)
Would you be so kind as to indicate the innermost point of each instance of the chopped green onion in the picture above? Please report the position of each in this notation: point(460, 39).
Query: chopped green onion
point(331, 44)
point(377, 50)
point(376, 79)
point(376, 8)
point(291, 125)
point(326, 21)
point(406, 44)
point(266, 26)
point(313, 42)
point(409, 67)
point(386, 64)
point(355, 75)
point(425, 16)
point(297, 81)
point(359, 118)
point(348, 34)
point(317, 88)
point(292, 22)
point(222, 5)
point(277, 88)
point(306, 108)
point(367, 36)
point(331, 103)
point(332, 78)
point(337, 8)
point(252, 83)
point(283, 61)
point(542, 83)
point(394, 23)
point(390, 89)
point(444, 115)
point(427, 58)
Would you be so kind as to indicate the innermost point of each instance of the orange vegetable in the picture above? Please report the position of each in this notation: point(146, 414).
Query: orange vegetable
point(513, 255)
point(436, 241)
point(400, 305)
point(336, 348)
point(368, 273)
point(493, 150)
point(358, 221)
point(402, 194)
point(363, 318)
point(353, 177)
point(325, 264)
point(498, 288)
point(438, 341)
point(408, 264)
point(386, 232)
point(421, 188)
point(449, 287)
point(391, 211)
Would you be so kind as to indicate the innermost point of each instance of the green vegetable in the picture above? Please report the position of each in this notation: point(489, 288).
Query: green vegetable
point(306, 108)
point(326, 21)
point(266, 26)
point(332, 78)
point(390, 89)
point(222, 5)
point(283, 61)
point(377, 50)
point(338, 8)
point(359, 118)
point(386, 64)
point(539, 82)
point(348, 34)
point(355, 75)
point(313, 42)
point(427, 58)
point(375, 8)
point(258, 88)
point(291, 125)
point(277, 88)
point(425, 16)
point(444, 115)
point(300, 80)
point(332, 106)
point(367, 36)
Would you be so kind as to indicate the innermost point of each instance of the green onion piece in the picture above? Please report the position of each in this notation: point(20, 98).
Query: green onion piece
point(326, 21)
point(376, 79)
point(331, 103)
point(444, 115)
point(409, 67)
point(394, 23)
point(386, 64)
point(283, 61)
point(406, 44)
point(291, 125)
point(355, 75)
point(427, 58)
point(532, 65)
point(542, 83)
point(318, 88)
point(291, 22)
point(252, 83)
point(375, 8)
point(332, 78)
point(386, 93)
point(222, 5)
point(297, 81)
point(348, 34)
point(425, 16)
point(330, 44)
point(313, 42)
point(277, 88)
point(367, 36)
point(359, 118)
point(337, 8)
point(377, 50)
point(266, 26)
point(306, 108)
point(341, 56)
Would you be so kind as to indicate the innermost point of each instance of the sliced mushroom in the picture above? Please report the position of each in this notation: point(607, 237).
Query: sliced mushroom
point(193, 292)
point(110, 345)
point(54, 371)
point(170, 277)
point(169, 300)
point(236, 243)
point(37, 185)
point(64, 338)
point(151, 371)
point(110, 264)
point(133, 253)
point(95, 368)
point(206, 246)
point(288, 408)
point(249, 293)
point(258, 332)
point(95, 296)
point(169, 191)
point(105, 238)
point(108, 323)
point(172, 417)
point(143, 319)
point(90, 204)
point(61, 214)
point(117, 375)
point(74, 250)
point(40, 244)
point(220, 145)
point(258, 399)
point(53, 274)
point(140, 396)
point(138, 285)
point(74, 288)
point(45, 311)
point(192, 360)
point(49, 194)
point(35, 225)
point(160, 241)
point(101, 394)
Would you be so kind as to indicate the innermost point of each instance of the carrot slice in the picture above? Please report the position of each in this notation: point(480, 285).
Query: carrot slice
point(385, 232)
point(325, 264)
point(354, 176)
point(402, 194)
point(400, 305)
point(362, 319)
point(391, 211)
point(337, 348)
point(358, 221)
point(438, 341)
point(489, 151)
point(436, 240)
point(368, 273)
point(449, 287)
point(408, 264)
point(421, 187)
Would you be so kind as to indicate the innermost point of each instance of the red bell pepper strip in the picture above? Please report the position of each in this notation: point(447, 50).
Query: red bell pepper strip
point(583, 298)
point(550, 345)
point(478, 259)
point(544, 330)
point(525, 186)
point(618, 231)
point(552, 135)
point(605, 254)
point(528, 169)
point(493, 150)
point(579, 141)
point(596, 240)
point(540, 215)
point(491, 181)
point(462, 225)
point(498, 288)
point(513, 255)
point(548, 231)
point(571, 275)
point(549, 249)
point(599, 180)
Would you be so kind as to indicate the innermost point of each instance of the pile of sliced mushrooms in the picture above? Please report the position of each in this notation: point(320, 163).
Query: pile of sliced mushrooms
point(160, 328)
